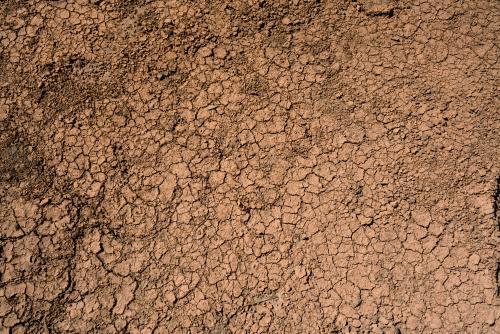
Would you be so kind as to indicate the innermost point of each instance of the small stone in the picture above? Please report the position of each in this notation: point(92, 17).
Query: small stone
point(286, 21)
point(422, 217)
point(162, 75)
point(170, 297)
point(93, 191)
point(490, 318)
point(37, 21)
point(220, 52)
point(380, 8)
point(64, 14)
point(95, 247)
point(393, 330)
point(474, 259)
point(300, 272)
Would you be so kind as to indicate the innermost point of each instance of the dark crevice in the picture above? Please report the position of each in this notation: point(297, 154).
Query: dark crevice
point(497, 278)
point(496, 208)
point(496, 201)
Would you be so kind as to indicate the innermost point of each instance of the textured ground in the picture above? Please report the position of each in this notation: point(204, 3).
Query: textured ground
point(249, 167)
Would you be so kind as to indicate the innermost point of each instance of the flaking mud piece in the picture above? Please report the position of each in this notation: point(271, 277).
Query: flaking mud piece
point(378, 7)
point(249, 167)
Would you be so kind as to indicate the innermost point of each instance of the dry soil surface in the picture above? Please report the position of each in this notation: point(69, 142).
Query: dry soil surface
point(249, 166)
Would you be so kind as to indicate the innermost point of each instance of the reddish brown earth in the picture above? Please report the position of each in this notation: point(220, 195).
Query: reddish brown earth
point(252, 166)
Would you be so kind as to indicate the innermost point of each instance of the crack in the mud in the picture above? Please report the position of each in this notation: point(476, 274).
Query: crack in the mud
point(496, 201)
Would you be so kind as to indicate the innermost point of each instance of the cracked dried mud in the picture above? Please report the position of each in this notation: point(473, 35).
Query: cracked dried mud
point(252, 166)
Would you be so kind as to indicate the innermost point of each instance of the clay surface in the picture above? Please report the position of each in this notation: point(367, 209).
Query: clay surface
point(257, 166)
